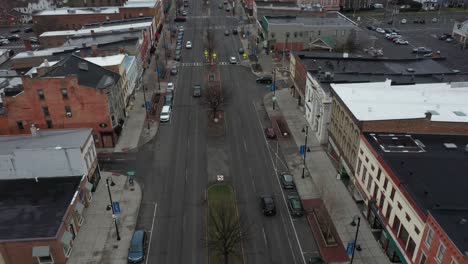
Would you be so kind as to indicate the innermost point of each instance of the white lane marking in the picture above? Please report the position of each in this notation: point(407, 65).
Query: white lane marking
point(282, 193)
point(245, 146)
point(151, 235)
point(264, 236)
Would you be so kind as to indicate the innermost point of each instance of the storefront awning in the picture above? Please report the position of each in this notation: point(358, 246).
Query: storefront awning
point(79, 208)
point(42, 251)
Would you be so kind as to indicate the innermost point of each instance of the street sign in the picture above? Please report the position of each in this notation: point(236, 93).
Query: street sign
point(302, 150)
point(148, 106)
point(130, 173)
point(273, 87)
point(350, 248)
point(116, 207)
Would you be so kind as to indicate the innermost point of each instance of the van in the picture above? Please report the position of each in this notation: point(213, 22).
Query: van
point(165, 114)
point(136, 252)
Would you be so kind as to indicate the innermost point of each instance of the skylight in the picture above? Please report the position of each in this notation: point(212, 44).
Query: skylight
point(459, 113)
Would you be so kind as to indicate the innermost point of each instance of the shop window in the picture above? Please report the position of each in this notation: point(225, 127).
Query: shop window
point(429, 236)
point(403, 235)
point(49, 124)
point(440, 253)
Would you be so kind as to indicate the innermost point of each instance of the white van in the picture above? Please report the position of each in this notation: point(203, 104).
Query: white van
point(165, 114)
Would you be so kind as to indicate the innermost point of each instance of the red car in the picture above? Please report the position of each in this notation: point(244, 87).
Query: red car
point(270, 133)
point(180, 19)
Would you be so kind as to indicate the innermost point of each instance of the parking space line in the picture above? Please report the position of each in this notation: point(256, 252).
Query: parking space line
point(151, 235)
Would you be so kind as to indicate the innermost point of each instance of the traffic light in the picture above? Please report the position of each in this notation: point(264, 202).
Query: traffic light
point(214, 56)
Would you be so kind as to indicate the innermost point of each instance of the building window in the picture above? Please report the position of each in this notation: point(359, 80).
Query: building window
point(408, 218)
point(45, 260)
point(64, 93)
point(453, 261)
point(300, 34)
point(423, 259)
point(396, 224)
point(364, 175)
point(272, 35)
point(416, 230)
point(295, 34)
point(360, 151)
point(287, 34)
point(367, 159)
point(389, 210)
point(49, 124)
point(45, 109)
point(378, 174)
point(385, 184)
point(40, 93)
point(319, 32)
point(20, 125)
point(440, 253)
point(392, 194)
point(403, 235)
point(68, 111)
point(358, 169)
point(369, 185)
point(430, 235)
point(372, 167)
point(399, 205)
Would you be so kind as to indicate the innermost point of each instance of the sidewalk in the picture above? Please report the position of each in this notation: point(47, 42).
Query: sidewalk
point(320, 170)
point(96, 240)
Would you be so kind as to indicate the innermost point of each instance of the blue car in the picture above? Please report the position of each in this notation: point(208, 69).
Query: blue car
point(136, 252)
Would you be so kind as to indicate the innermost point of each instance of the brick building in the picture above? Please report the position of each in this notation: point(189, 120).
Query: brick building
point(94, 3)
point(418, 108)
point(72, 93)
point(43, 202)
point(413, 186)
point(75, 18)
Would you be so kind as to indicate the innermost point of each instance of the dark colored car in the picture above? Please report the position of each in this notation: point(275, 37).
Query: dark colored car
point(15, 30)
point(265, 79)
point(196, 90)
point(174, 70)
point(168, 98)
point(444, 36)
point(180, 19)
point(387, 30)
point(316, 260)
point(13, 38)
point(370, 27)
point(267, 204)
point(226, 32)
point(287, 180)
point(138, 244)
point(295, 205)
point(28, 29)
point(422, 50)
point(241, 51)
point(234, 31)
point(270, 133)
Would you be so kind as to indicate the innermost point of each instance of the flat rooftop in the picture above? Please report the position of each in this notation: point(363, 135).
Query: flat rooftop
point(447, 102)
point(78, 11)
point(432, 169)
point(107, 60)
point(33, 209)
point(337, 20)
point(59, 138)
point(103, 29)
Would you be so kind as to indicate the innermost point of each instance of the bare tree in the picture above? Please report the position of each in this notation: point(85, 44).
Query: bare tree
point(226, 231)
point(214, 97)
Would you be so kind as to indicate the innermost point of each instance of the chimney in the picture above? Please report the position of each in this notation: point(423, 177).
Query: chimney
point(94, 50)
point(33, 130)
point(46, 63)
point(27, 45)
point(428, 116)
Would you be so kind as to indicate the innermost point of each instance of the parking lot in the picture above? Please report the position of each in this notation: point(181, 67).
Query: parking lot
point(418, 35)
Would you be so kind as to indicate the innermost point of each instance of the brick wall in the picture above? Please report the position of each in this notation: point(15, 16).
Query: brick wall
point(20, 252)
point(88, 105)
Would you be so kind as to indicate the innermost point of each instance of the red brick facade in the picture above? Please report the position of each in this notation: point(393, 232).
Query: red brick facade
point(89, 108)
point(73, 21)
point(430, 251)
point(280, 46)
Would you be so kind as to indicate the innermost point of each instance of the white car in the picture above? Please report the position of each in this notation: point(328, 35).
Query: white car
point(232, 60)
point(380, 30)
point(403, 21)
point(165, 114)
point(4, 41)
point(188, 45)
point(170, 86)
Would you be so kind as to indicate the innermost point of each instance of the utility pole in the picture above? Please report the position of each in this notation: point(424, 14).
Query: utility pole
point(353, 223)
point(274, 88)
point(113, 213)
point(305, 150)
point(146, 108)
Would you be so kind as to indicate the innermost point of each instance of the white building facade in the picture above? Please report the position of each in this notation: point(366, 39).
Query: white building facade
point(317, 109)
point(460, 32)
point(33, 7)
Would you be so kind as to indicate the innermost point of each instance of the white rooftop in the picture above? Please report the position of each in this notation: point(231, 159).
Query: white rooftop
point(140, 3)
point(87, 31)
point(107, 60)
point(44, 64)
point(79, 10)
point(382, 101)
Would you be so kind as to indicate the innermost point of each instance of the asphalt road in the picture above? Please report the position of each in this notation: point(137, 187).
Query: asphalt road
point(175, 168)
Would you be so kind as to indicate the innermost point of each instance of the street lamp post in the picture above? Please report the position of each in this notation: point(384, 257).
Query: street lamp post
point(306, 130)
point(353, 223)
point(113, 213)
point(274, 88)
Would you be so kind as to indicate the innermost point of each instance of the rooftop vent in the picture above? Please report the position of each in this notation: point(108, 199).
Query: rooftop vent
point(462, 221)
point(450, 146)
point(83, 66)
point(459, 113)
point(410, 69)
point(71, 11)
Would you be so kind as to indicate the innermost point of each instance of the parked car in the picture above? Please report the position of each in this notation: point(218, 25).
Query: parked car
point(180, 19)
point(404, 21)
point(267, 205)
point(188, 45)
point(295, 205)
point(14, 37)
point(449, 39)
point(422, 50)
point(16, 30)
point(241, 51)
point(270, 133)
point(228, 9)
point(174, 70)
point(233, 60)
point(4, 42)
point(379, 30)
point(265, 79)
point(316, 260)
point(444, 36)
point(181, 28)
point(434, 20)
point(370, 27)
point(165, 114)
point(184, 13)
point(178, 56)
point(226, 32)
point(170, 87)
point(138, 246)
point(401, 42)
point(287, 180)
point(34, 40)
point(392, 35)
point(197, 90)
point(387, 30)
point(234, 31)
point(168, 98)
point(28, 30)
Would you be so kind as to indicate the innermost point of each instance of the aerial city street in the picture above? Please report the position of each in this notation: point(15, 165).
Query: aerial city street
point(216, 131)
